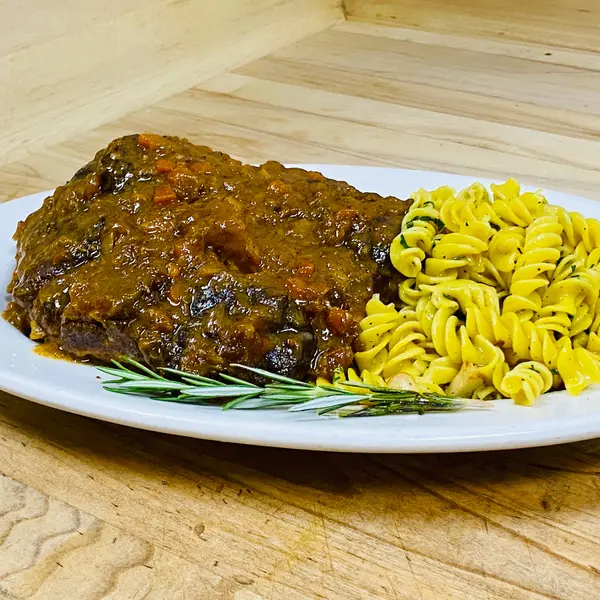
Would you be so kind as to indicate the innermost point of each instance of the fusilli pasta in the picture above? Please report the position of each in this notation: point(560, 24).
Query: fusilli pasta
point(501, 298)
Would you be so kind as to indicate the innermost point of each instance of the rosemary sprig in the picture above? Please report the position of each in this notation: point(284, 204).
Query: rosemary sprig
point(355, 399)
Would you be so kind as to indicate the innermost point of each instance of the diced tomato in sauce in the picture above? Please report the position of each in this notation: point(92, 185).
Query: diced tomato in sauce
point(340, 320)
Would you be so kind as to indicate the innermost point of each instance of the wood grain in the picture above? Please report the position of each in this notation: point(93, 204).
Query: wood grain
point(361, 93)
point(193, 519)
point(68, 69)
point(512, 525)
point(50, 550)
point(559, 23)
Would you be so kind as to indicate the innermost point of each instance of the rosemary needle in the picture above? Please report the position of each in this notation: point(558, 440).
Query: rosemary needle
point(171, 385)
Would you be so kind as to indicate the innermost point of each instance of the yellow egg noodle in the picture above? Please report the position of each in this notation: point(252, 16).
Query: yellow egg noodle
point(501, 298)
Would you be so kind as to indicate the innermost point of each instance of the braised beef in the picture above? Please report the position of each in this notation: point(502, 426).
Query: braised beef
point(181, 256)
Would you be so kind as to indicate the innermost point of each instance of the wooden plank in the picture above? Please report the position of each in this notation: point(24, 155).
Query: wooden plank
point(58, 86)
point(298, 124)
point(50, 550)
point(25, 25)
point(460, 70)
point(560, 23)
point(527, 50)
point(432, 100)
point(425, 106)
point(400, 138)
point(338, 527)
point(524, 152)
point(322, 107)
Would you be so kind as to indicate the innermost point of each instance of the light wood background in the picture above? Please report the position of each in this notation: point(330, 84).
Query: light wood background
point(91, 510)
point(573, 24)
point(67, 66)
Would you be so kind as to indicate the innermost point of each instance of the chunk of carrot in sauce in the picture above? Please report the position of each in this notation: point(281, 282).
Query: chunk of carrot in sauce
point(173, 270)
point(150, 141)
point(200, 167)
point(304, 268)
point(279, 187)
point(92, 186)
point(164, 165)
point(176, 172)
point(301, 290)
point(176, 292)
point(347, 213)
point(163, 194)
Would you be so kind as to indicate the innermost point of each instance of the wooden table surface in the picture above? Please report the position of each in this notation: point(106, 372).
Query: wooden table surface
point(90, 510)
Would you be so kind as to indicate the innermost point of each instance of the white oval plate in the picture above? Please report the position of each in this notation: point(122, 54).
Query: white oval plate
point(556, 418)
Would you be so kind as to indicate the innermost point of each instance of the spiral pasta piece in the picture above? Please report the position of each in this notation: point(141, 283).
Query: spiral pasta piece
point(577, 367)
point(440, 371)
point(403, 345)
point(450, 253)
point(487, 322)
point(592, 344)
point(419, 227)
point(476, 193)
point(526, 341)
point(505, 248)
point(463, 293)
point(375, 334)
point(345, 380)
point(513, 208)
point(459, 217)
point(540, 254)
point(425, 310)
point(487, 392)
point(582, 235)
point(567, 266)
point(568, 305)
point(409, 292)
point(482, 270)
point(526, 382)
